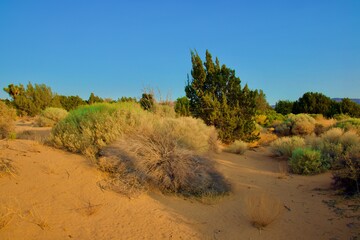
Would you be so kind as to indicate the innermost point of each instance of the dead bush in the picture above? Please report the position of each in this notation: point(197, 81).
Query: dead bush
point(263, 209)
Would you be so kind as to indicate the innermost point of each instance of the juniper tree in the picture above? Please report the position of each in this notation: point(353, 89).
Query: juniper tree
point(216, 96)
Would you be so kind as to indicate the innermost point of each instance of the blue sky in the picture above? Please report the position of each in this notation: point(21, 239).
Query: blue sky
point(118, 48)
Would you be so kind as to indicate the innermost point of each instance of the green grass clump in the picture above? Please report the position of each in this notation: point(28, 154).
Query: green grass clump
point(307, 161)
point(286, 145)
point(50, 116)
point(7, 121)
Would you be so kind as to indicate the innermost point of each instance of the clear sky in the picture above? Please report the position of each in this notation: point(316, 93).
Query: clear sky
point(118, 48)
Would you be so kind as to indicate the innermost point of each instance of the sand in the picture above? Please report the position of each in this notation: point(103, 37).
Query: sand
point(58, 195)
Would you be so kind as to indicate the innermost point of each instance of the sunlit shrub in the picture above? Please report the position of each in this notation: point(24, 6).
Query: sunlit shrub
point(7, 120)
point(286, 145)
point(50, 116)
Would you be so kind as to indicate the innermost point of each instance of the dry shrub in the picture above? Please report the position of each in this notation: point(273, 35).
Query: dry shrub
point(237, 147)
point(323, 124)
point(166, 156)
point(7, 120)
point(165, 110)
point(263, 209)
point(349, 124)
point(267, 138)
point(50, 116)
point(286, 145)
point(300, 124)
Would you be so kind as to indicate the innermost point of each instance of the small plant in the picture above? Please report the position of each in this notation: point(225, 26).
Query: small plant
point(50, 116)
point(7, 121)
point(263, 209)
point(7, 168)
point(237, 147)
point(346, 176)
point(307, 161)
point(283, 147)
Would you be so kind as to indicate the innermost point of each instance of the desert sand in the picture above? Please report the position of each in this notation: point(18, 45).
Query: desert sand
point(58, 195)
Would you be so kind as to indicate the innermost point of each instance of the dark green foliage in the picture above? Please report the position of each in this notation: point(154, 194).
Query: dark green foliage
point(311, 102)
point(216, 96)
point(94, 99)
point(284, 107)
point(127, 99)
point(307, 161)
point(350, 108)
point(182, 107)
point(346, 177)
point(30, 100)
point(262, 106)
point(71, 102)
point(147, 102)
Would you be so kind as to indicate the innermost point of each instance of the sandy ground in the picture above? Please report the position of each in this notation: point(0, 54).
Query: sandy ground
point(57, 195)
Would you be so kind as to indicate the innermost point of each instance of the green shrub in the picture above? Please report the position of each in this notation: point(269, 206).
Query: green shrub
point(286, 145)
point(50, 116)
point(237, 147)
point(147, 102)
point(7, 121)
point(182, 107)
point(307, 161)
point(89, 128)
point(300, 124)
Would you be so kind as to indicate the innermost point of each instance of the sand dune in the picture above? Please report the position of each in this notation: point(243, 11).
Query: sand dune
point(57, 195)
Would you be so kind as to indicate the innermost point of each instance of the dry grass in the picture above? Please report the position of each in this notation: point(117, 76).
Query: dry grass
point(263, 209)
point(7, 213)
point(37, 219)
point(7, 167)
point(88, 208)
point(237, 147)
point(166, 155)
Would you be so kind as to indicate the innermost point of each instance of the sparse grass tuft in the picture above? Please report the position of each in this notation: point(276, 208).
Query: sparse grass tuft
point(237, 147)
point(7, 168)
point(263, 209)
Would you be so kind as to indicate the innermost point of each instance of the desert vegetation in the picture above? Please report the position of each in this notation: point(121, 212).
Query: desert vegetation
point(147, 144)
point(7, 120)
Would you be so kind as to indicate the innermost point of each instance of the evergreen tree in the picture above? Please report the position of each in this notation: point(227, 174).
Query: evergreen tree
point(313, 103)
point(147, 102)
point(182, 106)
point(216, 96)
point(284, 107)
point(94, 99)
